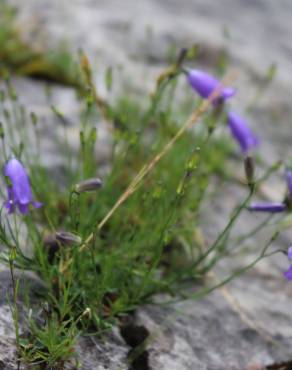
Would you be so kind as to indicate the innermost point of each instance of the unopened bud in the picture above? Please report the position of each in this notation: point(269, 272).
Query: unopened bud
point(88, 185)
point(67, 238)
point(249, 169)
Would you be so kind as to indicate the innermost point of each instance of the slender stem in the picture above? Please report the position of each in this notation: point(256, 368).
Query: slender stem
point(203, 292)
point(226, 230)
point(15, 290)
point(254, 231)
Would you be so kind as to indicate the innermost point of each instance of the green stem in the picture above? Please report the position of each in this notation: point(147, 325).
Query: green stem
point(226, 230)
point(207, 290)
point(254, 231)
point(15, 291)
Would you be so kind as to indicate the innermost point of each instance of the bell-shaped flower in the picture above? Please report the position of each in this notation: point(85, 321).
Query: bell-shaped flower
point(204, 84)
point(18, 188)
point(241, 132)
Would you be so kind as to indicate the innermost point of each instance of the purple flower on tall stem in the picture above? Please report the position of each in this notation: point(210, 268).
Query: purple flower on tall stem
point(269, 207)
point(241, 132)
point(204, 84)
point(288, 273)
point(18, 188)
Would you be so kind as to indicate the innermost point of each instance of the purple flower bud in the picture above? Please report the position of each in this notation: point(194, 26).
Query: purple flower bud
point(205, 84)
point(267, 207)
point(19, 191)
point(288, 273)
point(289, 182)
point(241, 132)
point(88, 185)
point(249, 169)
point(67, 238)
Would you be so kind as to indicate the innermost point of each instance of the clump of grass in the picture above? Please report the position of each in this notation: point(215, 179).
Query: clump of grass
point(103, 253)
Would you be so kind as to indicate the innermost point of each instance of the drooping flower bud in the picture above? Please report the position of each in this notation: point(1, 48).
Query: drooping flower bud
point(205, 84)
point(88, 185)
point(249, 170)
point(67, 238)
point(241, 132)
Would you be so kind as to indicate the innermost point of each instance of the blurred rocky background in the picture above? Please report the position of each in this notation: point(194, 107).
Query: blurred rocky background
point(247, 324)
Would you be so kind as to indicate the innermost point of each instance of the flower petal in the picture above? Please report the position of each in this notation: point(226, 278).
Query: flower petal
point(23, 208)
point(37, 204)
point(9, 205)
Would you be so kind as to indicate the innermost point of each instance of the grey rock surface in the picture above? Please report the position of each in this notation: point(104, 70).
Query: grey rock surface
point(246, 325)
point(29, 284)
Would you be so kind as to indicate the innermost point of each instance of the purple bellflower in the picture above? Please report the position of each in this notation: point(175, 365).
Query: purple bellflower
point(241, 132)
point(204, 84)
point(288, 273)
point(18, 189)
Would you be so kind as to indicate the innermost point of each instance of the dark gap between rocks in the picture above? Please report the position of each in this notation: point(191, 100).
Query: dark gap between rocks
point(136, 337)
point(280, 366)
